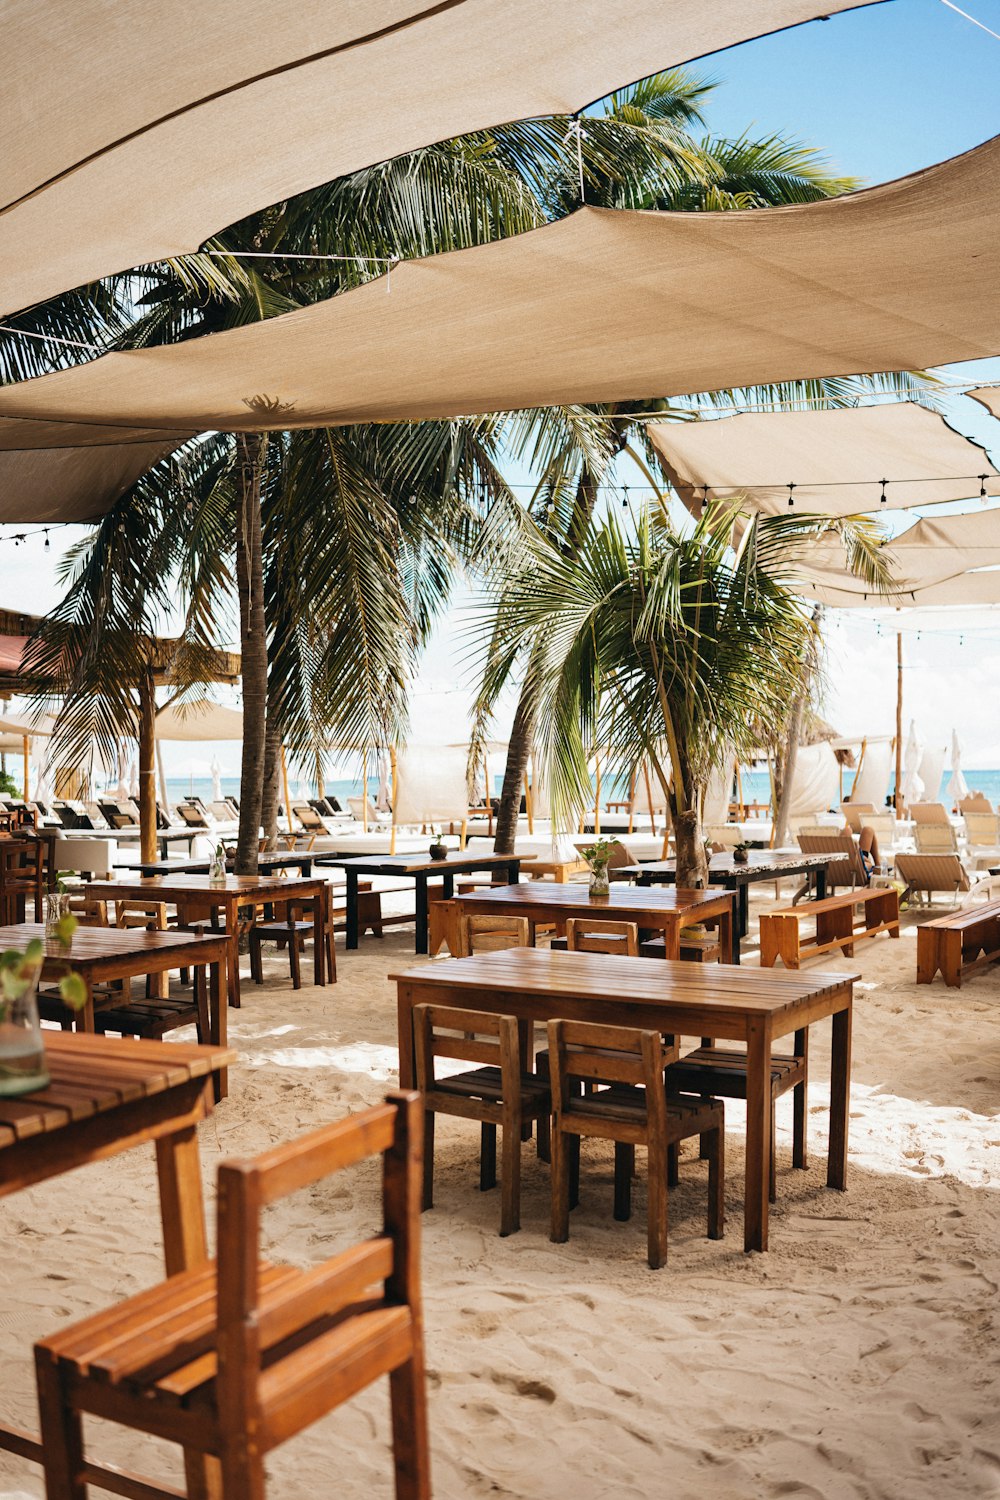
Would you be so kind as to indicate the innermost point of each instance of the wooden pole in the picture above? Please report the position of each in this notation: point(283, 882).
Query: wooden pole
point(320, 781)
point(147, 767)
point(649, 797)
point(27, 768)
point(392, 796)
point(597, 796)
point(527, 800)
point(163, 777)
point(364, 791)
point(284, 783)
point(899, 802)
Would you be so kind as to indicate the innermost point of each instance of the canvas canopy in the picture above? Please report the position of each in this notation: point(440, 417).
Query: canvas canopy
point(603, 305)
point(988, 396)
point(970, 589)
point(431, 785)
point(72, 484)
point(816, 780)
point(182, 99)
point(931, 563)
point(202, 720)
point(871, 784)
point(835, 459)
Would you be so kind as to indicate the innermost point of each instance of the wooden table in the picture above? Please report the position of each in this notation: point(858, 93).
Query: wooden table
point(419, 868)
point(267, 864)
point(754, 1006)
point(106, 1096)
point(195, 894)
point(723, 870)
point(667, 911)
point(101, 955)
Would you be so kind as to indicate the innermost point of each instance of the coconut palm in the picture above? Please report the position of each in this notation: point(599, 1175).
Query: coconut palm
point(668, 648)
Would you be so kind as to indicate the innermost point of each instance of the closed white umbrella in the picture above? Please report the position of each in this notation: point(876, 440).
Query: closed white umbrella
point(913, 787)
point(216, 780)
point(382, 795)
point(133, 779)
point(958, 787)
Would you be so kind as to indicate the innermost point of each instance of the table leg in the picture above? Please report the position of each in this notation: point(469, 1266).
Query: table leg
point(729, 935)
point(758, 1165)
point(743, 905)
point(218, 1024)
point(319, 938)
point(672, 938)
point(513, 871)
point(421, 940)
point(448, 885)
point(820, 873)
point(404, 1027)
point(233, 961)
point(351, 938)
point(840, 1099)
point(85, 1016)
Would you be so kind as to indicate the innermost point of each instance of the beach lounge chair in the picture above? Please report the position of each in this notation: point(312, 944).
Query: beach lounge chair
point(498, 1093)
point(632, 1109)
point(235, 1357)
point(935, 838)
point(982, 830)
point(929, 812)
point(976, 802)
point(856, 814)
point(847, 870)
point(927, 874)
point(308, 819)
point(363, 808)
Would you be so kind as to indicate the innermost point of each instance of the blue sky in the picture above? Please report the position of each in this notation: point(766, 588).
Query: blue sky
point(882, 91)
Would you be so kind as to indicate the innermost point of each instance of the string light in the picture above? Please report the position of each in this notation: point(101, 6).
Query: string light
point(982, 489)
point(883, 483)
point(704, 500)
point(624, 497)
point(17, 537)
point(791, 497)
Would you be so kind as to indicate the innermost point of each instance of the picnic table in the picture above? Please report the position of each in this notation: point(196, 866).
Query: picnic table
point(668, 911)
point(193, 895)
point(419, 868)
point(101, 955)
point(105, 1096)
point(753, 1006)
point(762, 864)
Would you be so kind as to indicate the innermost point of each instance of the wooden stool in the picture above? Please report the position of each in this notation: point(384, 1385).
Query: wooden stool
point(233, 1363)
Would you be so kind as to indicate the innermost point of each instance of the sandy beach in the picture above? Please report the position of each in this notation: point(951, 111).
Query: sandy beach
point(854, 1361)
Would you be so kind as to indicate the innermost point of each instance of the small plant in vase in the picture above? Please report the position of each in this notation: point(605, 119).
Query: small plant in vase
point(741, 854)
point(217, 867)
point(22, 1052)
point(598, 857)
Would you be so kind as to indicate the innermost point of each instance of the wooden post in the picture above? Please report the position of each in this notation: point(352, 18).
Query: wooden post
point(392, 797)
point(364, 791)
point(27, 768)
point(649, 798)
point(898, 797)
point(284, 783)
point(163, 777)
point(147, 766)
point(527, 799)
point(597, 796)
point(320, 780)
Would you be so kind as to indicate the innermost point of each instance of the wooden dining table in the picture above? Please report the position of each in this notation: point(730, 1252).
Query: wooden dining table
point(105, 1096)
point(193, 895)
point(665, 910)
point(753, 1006)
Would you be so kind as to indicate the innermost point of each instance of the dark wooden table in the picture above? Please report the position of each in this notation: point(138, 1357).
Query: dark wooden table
point(164, 836)
point(419, 868)
point(667, 911)
point(107, 1095)
point(725, 871)
point(267, 864)
point(195, 894)
point(101, 955)
point(754, 1006)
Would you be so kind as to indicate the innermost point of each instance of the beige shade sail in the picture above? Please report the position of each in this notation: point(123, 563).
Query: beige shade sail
point(134, 131)
point(600, 306)
point(72, 484)
point(929, 555)
point(835, 459)
point(988, 396)
point(201, 720)
point(969, 589)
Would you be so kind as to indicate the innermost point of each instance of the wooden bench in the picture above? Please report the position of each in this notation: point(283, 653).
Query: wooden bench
point(841, 921)
point(958, 943)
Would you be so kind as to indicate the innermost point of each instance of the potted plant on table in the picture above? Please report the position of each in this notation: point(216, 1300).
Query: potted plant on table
point(741, 854)
point(598, 857)
point(22, 1051)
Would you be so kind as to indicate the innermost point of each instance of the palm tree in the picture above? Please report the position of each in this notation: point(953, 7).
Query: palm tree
point(669, 649)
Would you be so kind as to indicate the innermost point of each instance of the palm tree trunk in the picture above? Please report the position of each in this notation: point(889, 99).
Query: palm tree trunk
point(518, 751)
point(272, 773)
point(689, 836)
point(147, 766)
point(253, 646)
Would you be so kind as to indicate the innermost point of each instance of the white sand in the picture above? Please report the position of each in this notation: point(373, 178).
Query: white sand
point(854, 1361)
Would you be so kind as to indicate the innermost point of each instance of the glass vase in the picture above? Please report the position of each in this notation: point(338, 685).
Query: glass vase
point(56, 907)
point(22, 1053)
point(217, 869)
point(600, 885)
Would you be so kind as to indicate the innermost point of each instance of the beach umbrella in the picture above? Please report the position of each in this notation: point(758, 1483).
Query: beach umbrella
point(913, 787)
point(216, 780)
point(382, 802)
point(957, 785)
point(133, 779)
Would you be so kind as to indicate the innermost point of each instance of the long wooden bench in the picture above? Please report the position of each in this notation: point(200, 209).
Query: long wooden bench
point(841, 921)
point(958, 943)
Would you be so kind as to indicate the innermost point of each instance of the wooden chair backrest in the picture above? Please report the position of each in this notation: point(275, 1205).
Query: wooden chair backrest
point(600, 935)
point(485, 934)
point(249, 1326)
point(149, 914)
point(466, 1036)
point(835, 841)
point(982, 828)
point(606, 1054)
point(935, 838)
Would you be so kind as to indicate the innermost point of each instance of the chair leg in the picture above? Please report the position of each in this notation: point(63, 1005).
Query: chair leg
point(674, 1163)
point(624, 1164)
point(410, 1442)
point(717, 1184)
point(573, 1146)
point(242, 1471)
point(510, 1178)
point(256, 967)
point(772, 1176)
point(62, 1434)
point(331, 954)
point(427, 1201)
point(487, 1157)
point(294, 963)
point(201, 1004)
point(559, 1232)
point(544, 1122)
point(656, 1228)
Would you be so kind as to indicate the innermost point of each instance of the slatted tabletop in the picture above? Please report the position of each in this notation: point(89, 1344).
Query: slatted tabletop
point(667, 909)
point(754, 1006)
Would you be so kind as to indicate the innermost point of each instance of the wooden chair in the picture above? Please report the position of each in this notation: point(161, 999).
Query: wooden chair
point(491, 934)
point(25, 878)
point(633, 1110)
point(503, 1092)
point(289, 927)
point(237, 1356)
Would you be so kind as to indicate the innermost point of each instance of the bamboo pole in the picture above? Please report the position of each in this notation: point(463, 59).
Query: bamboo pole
point(27, 767)
point(527, 803)
point(364, 791)
point(649, 797)
point(284, 782)
point(147, 768)
point(163, 776)
point(392, 797)
point(898, 796)
point(597, 796)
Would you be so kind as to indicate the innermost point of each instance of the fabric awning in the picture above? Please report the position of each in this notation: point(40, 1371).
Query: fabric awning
point(931, 554)
point(600, 306)
point(970, 589)
point(835, 459)
point(72, 484)
point(134, 132)
point(202, 720)
point(988, 396)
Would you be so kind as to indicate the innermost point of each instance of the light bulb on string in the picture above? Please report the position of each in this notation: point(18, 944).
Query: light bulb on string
point(47, 543)
point(982, 488)
point(791, 497)
point(624, 497)
point(704, 499)
point(883, 483)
